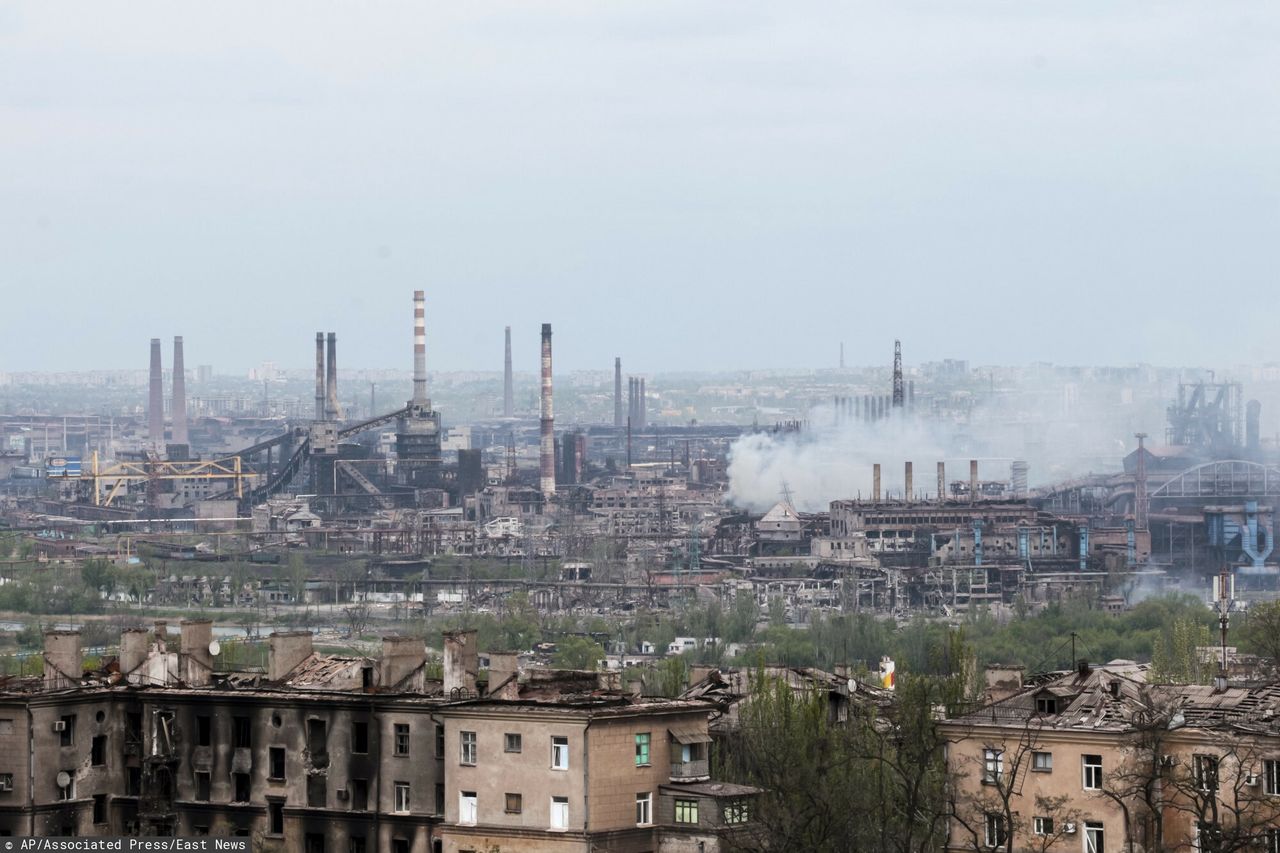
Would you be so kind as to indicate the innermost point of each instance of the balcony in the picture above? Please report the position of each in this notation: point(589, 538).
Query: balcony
point(690, 771)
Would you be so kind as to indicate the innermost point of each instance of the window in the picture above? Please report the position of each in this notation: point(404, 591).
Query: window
point(317, 738)
point(399, 845)
point(1042, 825)
point(1092, 772)
point(402, 797)
point(275, 763)
point(67, 737)
point(202, 786)
point(69, 792)
point(992, 766)
point(204, 730)
point(643, 740)
point(1046, 705)
point(99, 808)
point(402, 738)
point(313, 842)
point(1093, 838)
point(644, 809)
point(1206, 770)
point(132, 781)
point(686, 811)
point(511, 742)
point(467, 807)
point(439, 798)
point(241, 794)
point(559, 753)
point(356, 844)
point(275, 817)
point(317, 791)
point(736, 811)
point(994, 830)
point(1042, 761)
point(98, 751)
point(468, 744)
point(241, 733)
point(515, 804)
point(439, 741)
point(1273, 841)
point(1271, 777)
point(559, 812)
point(360, 738)
point(360, 794)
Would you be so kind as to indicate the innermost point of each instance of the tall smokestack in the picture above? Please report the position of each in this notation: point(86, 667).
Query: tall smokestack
point(508, 386)
point(179, 394)
point(319, 376)
point(875, 482)
point(899, 391)
point(547, 457)
point(640, 405)
point(1140, 501)
point(617, 393)
point(908, 485)
point(419, 352)
point(331, 379)
point(942, 482)
point(973, 481)
point(155, 402)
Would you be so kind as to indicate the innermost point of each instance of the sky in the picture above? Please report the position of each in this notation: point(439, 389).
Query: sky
point(685, 184)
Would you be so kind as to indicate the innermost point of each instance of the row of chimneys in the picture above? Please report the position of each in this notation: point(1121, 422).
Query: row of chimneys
point(327, 378)
point(155, 400)
point(908, 490)
point(871, 407)
point(401, 658)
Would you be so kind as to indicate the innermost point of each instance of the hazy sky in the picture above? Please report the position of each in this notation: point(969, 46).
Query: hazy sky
point(682, 183)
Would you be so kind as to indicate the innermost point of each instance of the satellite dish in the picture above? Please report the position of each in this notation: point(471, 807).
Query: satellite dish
point(64, 778)
point(214, 648)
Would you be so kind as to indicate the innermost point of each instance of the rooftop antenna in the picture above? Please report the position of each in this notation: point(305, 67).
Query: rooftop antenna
point(899, 388)
point(1224, 590)
point(786, 493)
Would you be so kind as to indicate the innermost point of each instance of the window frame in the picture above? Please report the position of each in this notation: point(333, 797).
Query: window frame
point(401, 740)
point(736, 811)
point(513, 803)
point(464, 806)
point(644, 749)
point(1041, 761)
point(992, 765)
point(467, 748)
point(994, 830)
point(1091, 772)
point(559, 752)
point(644, 808)
point(1095, 837)
point(402, 793)
point(559, 808)
point(1042, 825)
point(688, 807)
point(1271, 777)
point(512, 742)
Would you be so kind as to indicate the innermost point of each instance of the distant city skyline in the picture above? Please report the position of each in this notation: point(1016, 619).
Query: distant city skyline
point(691, 186)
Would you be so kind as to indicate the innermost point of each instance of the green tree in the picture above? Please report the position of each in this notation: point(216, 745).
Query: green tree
point(578, 653)
point(1175, 657)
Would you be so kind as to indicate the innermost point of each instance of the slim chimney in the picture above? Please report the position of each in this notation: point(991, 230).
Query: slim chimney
point(179, 394)
point(875, 482)
point(640, 407)
point(155, 402)
point(508, 386)
point(331, 380)
point(942, 482)
point(419, 353)
point(320, 392)
point(547, 457)
point(973, 481)
point(63, 666)
point(617, 393)
point(907, 487)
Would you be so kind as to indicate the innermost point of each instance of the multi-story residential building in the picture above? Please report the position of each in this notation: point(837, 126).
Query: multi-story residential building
point(1100, 760)
point(342, 753)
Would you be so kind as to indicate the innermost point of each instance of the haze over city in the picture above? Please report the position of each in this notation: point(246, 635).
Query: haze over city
point(701, 187)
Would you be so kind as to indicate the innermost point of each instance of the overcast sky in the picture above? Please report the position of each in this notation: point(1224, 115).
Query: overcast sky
point(685, 184)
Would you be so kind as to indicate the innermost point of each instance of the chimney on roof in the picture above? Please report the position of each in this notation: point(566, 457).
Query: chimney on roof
point(504, 675)
point(285, 650)
point(1082, 667)
point(1002, 681)
point(63, 665)
point(133, 653)
point(401, 657)
point(461, 663)
point(197, 659)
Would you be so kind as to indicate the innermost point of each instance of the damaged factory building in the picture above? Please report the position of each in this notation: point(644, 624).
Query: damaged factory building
point(319, 752)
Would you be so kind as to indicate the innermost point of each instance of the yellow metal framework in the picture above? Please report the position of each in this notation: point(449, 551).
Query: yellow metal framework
point(160, 469)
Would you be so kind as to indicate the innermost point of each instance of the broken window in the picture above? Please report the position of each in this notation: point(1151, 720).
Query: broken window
point(317, 791)
point(360, 794)
point(67, 730)
point(1206, 770)
point(99, 808)
point(204, 730)
point(202, 786)
point(241, 733)
point(241, 793)
point(275, 763)
point(98, 751)
point(317, 738)
point(275, 817)
point(360, 736)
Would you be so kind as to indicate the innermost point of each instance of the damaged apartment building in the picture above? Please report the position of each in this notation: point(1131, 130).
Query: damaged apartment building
point(320, 752)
